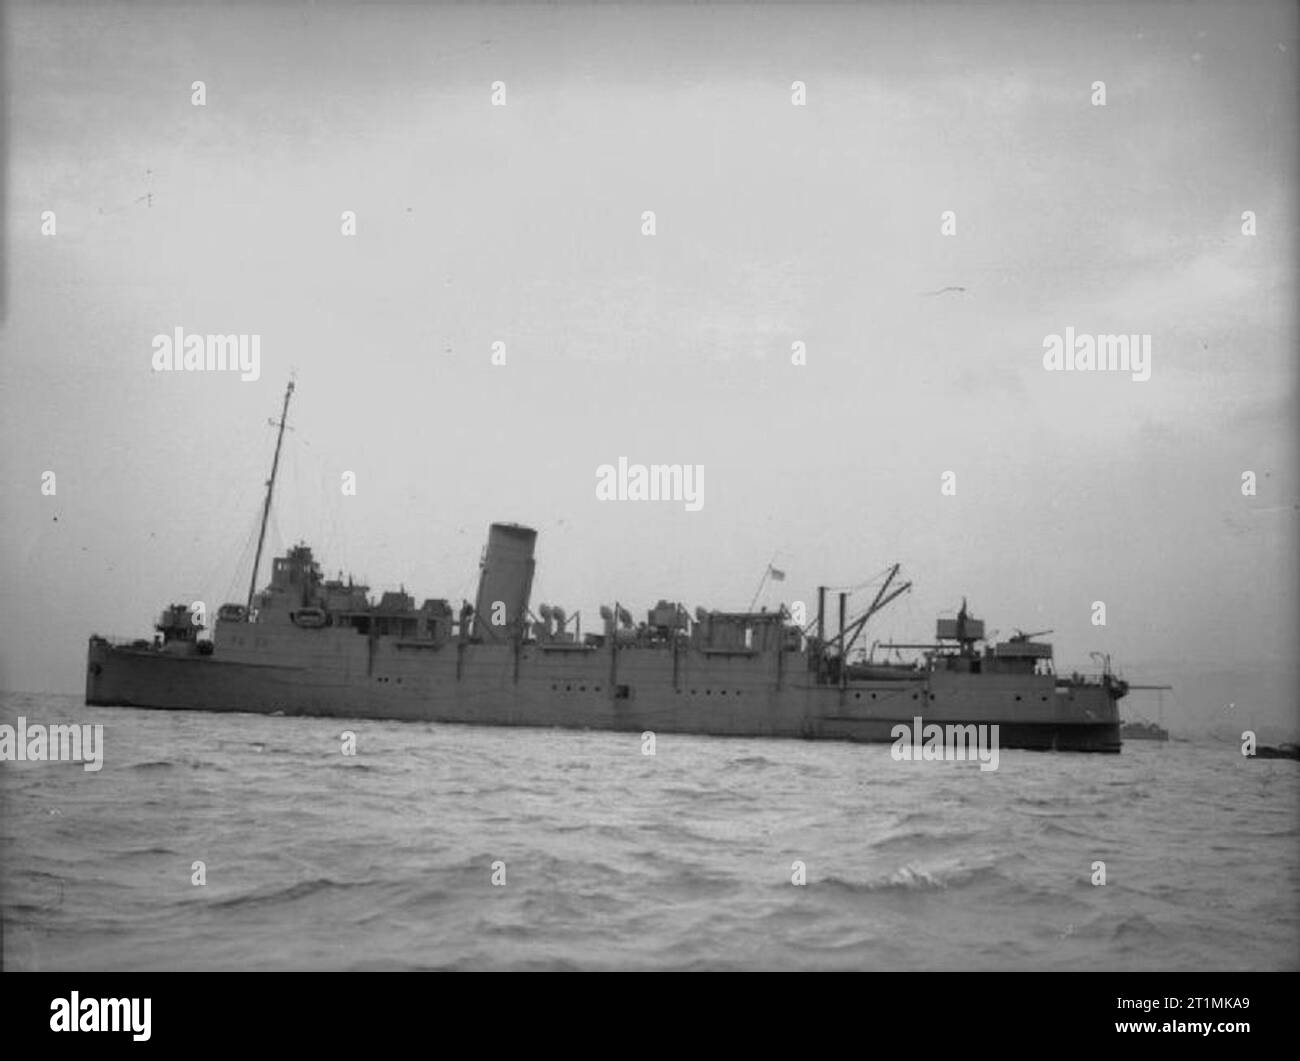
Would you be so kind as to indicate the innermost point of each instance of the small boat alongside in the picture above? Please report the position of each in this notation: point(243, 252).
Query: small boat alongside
point(1143, 731)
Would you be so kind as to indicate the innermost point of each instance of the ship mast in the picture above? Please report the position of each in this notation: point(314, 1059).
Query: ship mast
point(266, 508)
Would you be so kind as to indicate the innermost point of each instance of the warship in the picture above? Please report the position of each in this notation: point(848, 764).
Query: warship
point(1281, 751)
point(306, 645)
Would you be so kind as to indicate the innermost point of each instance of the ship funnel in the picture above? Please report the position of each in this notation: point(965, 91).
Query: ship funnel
point(505, 582)
point(560, 619)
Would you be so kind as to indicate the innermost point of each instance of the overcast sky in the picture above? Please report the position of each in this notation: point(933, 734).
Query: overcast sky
point(775, 224)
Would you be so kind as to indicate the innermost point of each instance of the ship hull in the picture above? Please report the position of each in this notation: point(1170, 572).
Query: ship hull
point(328, 673)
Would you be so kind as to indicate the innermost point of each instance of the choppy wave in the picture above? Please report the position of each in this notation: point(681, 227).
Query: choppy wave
point(910, 878)
point(208, 842)
point(289, 894)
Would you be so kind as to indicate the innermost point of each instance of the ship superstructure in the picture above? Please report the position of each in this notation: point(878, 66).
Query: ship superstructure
point(310, 646)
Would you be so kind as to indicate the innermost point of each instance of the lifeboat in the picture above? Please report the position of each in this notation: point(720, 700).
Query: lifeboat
point(311, 618)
